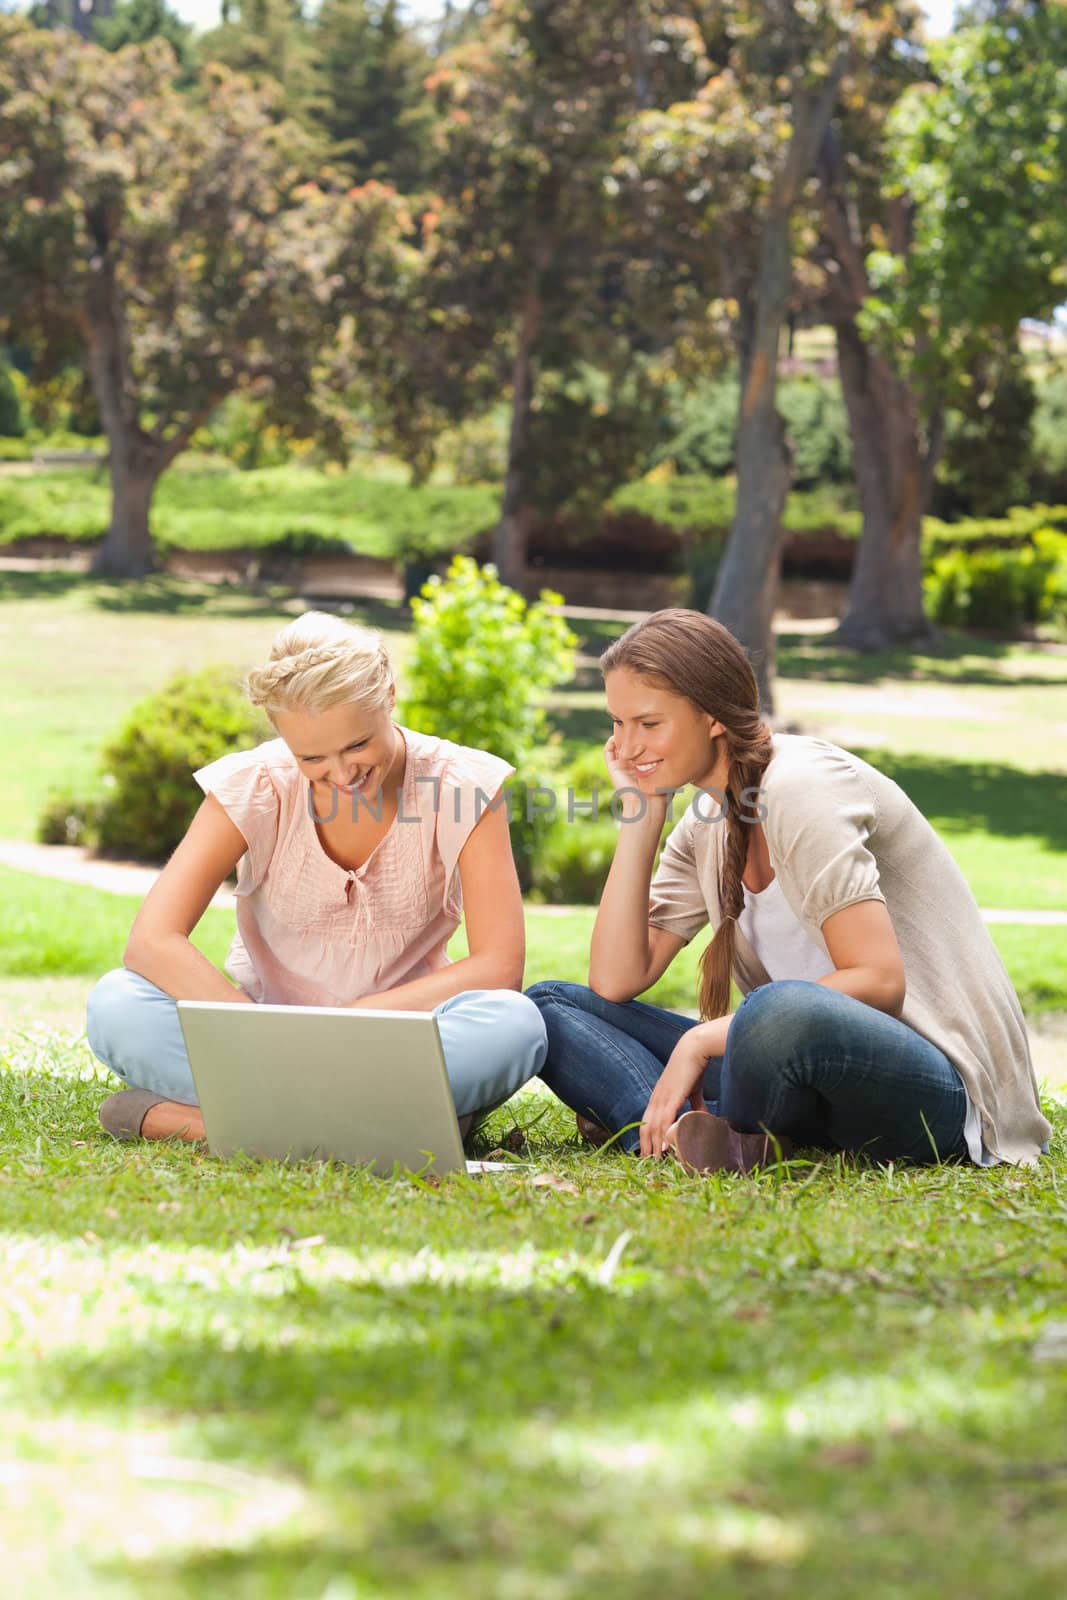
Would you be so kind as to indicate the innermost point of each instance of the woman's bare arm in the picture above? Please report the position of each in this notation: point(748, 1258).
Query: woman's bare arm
point(158, 947)
point(867, 962)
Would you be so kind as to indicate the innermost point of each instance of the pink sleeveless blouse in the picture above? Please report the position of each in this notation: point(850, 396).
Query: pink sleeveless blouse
point(310, 932)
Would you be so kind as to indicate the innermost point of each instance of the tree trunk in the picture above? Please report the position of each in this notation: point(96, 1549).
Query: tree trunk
point(512, 534)
point(893, 464)
point(127, 550)
point(747, 581)
point(893, 473)
point(137, 459)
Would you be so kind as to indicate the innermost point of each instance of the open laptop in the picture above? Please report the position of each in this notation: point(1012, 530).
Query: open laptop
point(316, 1083)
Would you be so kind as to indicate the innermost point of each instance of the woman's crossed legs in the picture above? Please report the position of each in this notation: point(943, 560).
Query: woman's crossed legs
point(802, 1061)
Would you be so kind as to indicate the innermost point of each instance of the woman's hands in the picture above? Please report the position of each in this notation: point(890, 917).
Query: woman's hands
point(681, 1081)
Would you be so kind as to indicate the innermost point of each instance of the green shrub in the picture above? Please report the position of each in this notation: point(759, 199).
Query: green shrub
point(1000, 588)
point(483, 661)
point(68, 819)
point(815, 418)
point(1015, 529)
point(151, 797)
point(12, 420)
point(571, 860)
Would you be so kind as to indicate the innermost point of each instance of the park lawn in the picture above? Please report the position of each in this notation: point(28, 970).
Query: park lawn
point(256, 1380)
point(80, 652)
point(583, 1376)
point(988, 768)
point(53, 929)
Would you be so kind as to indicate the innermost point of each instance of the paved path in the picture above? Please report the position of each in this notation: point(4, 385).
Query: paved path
point(74, 864)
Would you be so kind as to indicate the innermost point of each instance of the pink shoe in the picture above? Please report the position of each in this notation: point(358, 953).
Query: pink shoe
point(706, 1143)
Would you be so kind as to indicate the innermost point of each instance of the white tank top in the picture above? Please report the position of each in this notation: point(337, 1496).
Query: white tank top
point(780, 940)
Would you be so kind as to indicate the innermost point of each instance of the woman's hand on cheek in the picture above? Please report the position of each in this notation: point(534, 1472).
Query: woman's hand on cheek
point(618, 771)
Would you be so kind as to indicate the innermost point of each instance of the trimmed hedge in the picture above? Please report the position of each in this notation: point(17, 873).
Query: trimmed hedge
point(1002, 587)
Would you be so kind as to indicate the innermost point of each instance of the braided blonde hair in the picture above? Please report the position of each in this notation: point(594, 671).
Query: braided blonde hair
point(695, 657)
point(320, 661)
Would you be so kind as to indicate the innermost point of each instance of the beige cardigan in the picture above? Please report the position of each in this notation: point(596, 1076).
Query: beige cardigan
point(838, 832)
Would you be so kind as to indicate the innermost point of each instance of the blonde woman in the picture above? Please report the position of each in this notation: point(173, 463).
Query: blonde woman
point(877, 1014)
point(358, 843)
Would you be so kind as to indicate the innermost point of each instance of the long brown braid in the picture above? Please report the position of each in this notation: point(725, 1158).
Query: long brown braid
point(691, 655)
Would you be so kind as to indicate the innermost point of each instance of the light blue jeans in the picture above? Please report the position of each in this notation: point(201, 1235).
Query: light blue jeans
point(494, 1041)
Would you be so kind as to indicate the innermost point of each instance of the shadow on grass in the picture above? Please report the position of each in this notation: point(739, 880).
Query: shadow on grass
point(955, 658)
point(955, 795)
point(481, 1424)
point(960, 796)
point(164, 595)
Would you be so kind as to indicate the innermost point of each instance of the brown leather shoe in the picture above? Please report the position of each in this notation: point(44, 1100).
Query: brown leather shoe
point(123, 1112)
point(706, 1143)
point(591, 1131)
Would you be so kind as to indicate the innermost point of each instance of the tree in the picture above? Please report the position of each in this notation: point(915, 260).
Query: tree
point(971, 237)
point(896, 426)
point(722, 176)
point(368, 97)
point(530, 113)
point(180, 245)
point(137, 21)
point(270, 41)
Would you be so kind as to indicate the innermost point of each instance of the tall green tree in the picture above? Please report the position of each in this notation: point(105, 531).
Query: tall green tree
point(896, 421)
point(179, 244)
point(722, 177)
point(530, 113)
point(368, 100)
point(270, 41)
point(947, 239)
point(137, 21)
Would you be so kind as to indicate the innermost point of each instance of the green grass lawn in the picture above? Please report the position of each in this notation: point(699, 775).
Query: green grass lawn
point(584, 1376)
point(52, 929)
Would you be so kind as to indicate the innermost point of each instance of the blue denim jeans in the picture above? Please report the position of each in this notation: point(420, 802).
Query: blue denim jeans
point(801, 1060)
point(493, 1041)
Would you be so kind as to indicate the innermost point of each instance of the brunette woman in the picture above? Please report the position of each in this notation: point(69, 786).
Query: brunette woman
point(877, 1015)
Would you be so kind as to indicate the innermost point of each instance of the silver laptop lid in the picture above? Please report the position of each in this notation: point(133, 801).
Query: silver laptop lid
point(315, 1083)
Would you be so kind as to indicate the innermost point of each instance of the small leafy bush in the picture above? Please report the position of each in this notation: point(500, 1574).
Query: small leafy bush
point(151, 797)
point(483, 661)
point(67, 818)
point(12, 419)
point(1001, 588)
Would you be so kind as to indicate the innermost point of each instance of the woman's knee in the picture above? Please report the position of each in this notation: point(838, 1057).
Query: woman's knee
point(774, 1019)
point(523, 1021)
point(555, 992)
point(108, 1009)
